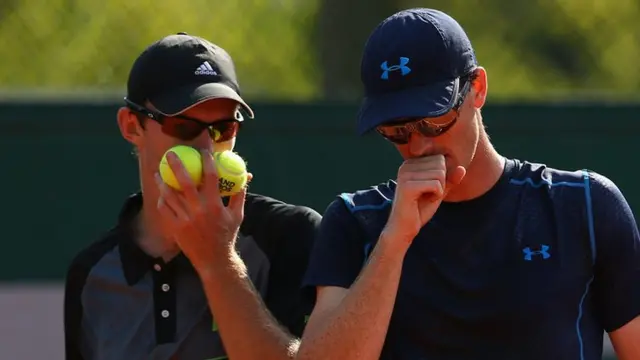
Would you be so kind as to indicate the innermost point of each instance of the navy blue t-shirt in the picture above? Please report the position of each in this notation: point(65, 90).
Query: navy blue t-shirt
point(537, 268)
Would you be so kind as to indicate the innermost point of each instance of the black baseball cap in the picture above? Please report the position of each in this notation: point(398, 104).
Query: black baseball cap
point(411, 67)
point(181, 71)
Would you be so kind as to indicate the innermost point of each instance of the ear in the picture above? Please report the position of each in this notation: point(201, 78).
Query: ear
point(480, 87)
point(130, 127)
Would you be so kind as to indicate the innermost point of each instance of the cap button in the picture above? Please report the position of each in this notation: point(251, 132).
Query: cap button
point(181, 33)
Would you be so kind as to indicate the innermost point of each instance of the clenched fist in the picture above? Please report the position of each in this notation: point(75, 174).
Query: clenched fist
point(421, 186)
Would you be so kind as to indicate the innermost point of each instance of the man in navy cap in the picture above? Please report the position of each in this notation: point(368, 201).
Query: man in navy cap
point(466, 254)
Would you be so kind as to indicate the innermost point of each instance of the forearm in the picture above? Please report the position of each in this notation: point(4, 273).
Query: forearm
point(247, 329)
point(626, 340)
point(357, 327)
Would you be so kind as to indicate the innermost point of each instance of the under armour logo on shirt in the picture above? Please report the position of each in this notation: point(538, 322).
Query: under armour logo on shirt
point(402, 66)
point(543, 252)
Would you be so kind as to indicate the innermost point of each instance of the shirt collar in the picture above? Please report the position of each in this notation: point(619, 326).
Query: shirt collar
point(135, 262)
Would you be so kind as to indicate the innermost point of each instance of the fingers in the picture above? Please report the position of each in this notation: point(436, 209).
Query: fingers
point(236, 205)
point(188, 187)
point(427, 177)
point(423, 175)
point(417, 188)
point(436, 174)
point(431, 167)
point(236, 201)
point(425, 162)
point(166, 211)
point(170, 203)
point(191, 205)
point(210, 186)
point(421, 165)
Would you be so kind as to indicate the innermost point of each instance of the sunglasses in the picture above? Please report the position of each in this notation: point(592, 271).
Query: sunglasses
point(399, 131)
point(187, 128)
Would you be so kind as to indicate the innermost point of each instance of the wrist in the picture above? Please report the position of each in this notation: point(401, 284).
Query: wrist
point(228, 262)
point(395, 242)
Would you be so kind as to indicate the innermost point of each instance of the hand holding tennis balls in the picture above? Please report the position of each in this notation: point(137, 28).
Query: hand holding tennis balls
point(191, 208)
point(231, 169)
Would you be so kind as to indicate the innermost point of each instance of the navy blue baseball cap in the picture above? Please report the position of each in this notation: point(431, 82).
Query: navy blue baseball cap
point(411, 67)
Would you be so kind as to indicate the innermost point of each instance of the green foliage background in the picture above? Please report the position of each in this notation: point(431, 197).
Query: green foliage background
point(531, 49)
point(548, 47)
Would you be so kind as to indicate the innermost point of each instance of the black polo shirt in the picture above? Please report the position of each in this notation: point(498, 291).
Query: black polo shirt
point(123, 304)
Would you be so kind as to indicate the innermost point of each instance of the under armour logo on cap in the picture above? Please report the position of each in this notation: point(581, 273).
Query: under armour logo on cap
point(418, 56)
point(402, 66)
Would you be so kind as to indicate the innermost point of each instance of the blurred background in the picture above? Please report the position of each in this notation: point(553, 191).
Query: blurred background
point(564, 85)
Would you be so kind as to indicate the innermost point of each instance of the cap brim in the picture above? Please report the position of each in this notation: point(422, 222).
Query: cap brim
point(425, 101)
point(182, 99)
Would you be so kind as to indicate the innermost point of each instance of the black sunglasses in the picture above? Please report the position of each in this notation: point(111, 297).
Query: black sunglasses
point(187, 128)
point(399, 131)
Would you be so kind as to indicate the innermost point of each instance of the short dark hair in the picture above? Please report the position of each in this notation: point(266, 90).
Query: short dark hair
point(470, 76)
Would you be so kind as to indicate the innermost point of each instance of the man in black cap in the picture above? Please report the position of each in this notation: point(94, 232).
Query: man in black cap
point(466, 254)
point(181, 275)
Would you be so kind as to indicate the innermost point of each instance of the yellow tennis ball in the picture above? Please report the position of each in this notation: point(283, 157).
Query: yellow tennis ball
point(191, 160)
point(232, 172)
point(216, 135)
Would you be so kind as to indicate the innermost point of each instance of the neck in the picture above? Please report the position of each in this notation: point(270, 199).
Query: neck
point(482, 174)
point(151, 238)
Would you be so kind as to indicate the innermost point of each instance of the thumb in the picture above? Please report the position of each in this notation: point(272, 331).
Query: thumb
point(175, 240)
point(456, 176)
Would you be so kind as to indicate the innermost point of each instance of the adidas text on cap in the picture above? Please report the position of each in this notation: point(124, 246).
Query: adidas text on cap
point(411, 67)
point(181, 71)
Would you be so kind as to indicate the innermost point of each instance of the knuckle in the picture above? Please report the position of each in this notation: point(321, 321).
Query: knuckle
point(437, 186)
point(182, 222)
point(182, 228)
point(407, 189)
point(402, 169)
point(403, 174)
point(199, 210)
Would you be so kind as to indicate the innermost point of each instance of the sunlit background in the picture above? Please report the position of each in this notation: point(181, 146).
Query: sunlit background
point(564, 82)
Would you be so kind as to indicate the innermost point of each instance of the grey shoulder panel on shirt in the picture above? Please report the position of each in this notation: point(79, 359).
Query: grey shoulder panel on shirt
point(86, 258)
point(76, 277)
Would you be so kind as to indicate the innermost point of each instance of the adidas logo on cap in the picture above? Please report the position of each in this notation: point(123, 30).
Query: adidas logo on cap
point(205, 69)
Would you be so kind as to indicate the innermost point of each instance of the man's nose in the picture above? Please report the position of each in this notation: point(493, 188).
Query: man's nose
point(420, 145)
point(202, 141)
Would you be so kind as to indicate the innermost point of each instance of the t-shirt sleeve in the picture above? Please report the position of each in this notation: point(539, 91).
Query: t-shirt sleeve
point(295, 229)
point(617, 269)
point(339, 249)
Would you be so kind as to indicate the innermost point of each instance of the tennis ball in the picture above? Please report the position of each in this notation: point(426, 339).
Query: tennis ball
point(216, 135)
point(191, 160)
point(232, 172)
